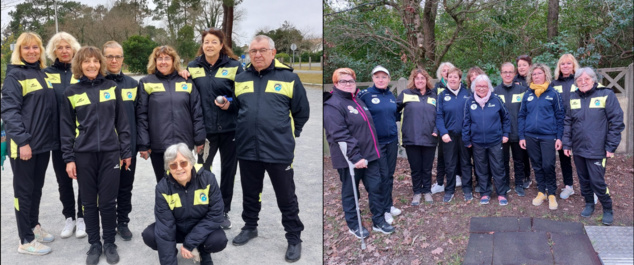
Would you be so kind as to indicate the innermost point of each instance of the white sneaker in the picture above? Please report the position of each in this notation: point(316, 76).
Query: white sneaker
point(81, 228)
point(69, 228)
point(34, 248)
point(388, 218)
point(395, 211)
point(566, 192)
point(458, 181)
point(41, 235)
point(437, 188)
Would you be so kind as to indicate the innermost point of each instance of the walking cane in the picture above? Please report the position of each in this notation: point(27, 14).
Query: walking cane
point(344, 148)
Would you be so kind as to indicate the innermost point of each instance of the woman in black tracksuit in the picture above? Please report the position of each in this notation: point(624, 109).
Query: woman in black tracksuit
point(95, 137)
point(418, 129)
point(214, 72)
point(441, 85)
point(168, 109)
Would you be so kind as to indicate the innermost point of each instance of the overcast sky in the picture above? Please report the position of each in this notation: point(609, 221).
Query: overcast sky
point(305, 15)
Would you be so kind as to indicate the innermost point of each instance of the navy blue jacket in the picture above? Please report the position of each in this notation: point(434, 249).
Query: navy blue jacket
point(450, 111)
point(382, 105)
point(520, 80)
point(418, 118)
point(594, 123)
point(485, 126)
point(512, 98)
point(541, 116)
point(565, 86)
point(347, 119)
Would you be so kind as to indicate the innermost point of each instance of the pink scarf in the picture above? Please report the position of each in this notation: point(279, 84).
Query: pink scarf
point(484, 100)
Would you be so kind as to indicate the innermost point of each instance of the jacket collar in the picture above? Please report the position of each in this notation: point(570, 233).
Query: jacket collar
point(59, 65)
point(98, 80)
point(162, 76)
point(197, 169)
point(222, 60)
point(589, 92)
point(344, 94)
point(115, 77)
point(274, 65)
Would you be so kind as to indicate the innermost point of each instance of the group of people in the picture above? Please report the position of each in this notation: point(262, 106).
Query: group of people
point(95, 119)
point(530, 116)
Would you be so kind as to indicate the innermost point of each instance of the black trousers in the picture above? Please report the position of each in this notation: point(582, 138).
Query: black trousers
point(28, 180)
point(489, 165)
point(371, 181)
point(440, 164)
point(527, 166)
point(421, 161)
point(158, 165)
point(281, 175)
point(565, 163)
point(66, 191)
point(457, 161)
point(124, 199)
point(591, 173)
point(98, 175)
point(542, 153)
point(518, 163)
point(228, 163)
point(387, 162)
point(216, 240)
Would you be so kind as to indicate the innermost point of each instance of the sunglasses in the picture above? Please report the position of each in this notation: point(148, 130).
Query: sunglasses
point(183, 164)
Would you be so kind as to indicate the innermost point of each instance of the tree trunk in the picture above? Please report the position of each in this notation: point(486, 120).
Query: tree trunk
point(227, 20)
point(553, 19)
point(429, 24)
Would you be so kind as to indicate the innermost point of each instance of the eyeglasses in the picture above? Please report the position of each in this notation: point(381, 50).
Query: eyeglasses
point(164, 59)
point(183, 164)
point(117, 57)
point(507, 73)
point(346, 82)
point(481, 87)
point(261, 51)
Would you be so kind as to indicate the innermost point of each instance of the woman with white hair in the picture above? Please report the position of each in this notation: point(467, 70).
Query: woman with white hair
point(592, 129)
point(441, 85)
point(61, 48)
point(485, 128)
point(188, 209)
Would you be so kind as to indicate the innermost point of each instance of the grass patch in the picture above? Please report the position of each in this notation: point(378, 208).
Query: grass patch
point(305, 67)
point(313, 78)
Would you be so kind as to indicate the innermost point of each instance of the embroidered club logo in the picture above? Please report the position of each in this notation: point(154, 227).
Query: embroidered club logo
point(203, 197)
point(184, 86)
point(353, 110)
point(225, 72)
point(597, 102)
point(49, 83)
point(530, 98)
point(447, 98)
point(433, 101)
point(597, 163)
point(376, 101)
point(518, 98)
point(491, 105)
point(106, 95)
point(549, 98)
point(129, 94)
point(473, 106)
point(277, 87)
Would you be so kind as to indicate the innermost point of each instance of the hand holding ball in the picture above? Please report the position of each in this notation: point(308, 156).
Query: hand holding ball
point(220, 100)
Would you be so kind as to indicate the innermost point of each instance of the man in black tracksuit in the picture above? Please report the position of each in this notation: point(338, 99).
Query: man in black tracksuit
point(220, 125)
point(592, 132)
point(128, 86)
point(272, 110)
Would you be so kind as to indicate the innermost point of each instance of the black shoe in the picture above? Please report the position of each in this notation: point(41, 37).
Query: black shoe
point(226, 223)
point(293, 252)
point(244, 236)
point(608, 217)
point(588, 210)
point(356, 232)
point(385, 228)
point(124, 231)
point(93, 254)
point(110, 250)
point(520, 191)
point(205, 259)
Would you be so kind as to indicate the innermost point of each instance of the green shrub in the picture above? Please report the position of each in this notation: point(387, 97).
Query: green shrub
point(137, 50)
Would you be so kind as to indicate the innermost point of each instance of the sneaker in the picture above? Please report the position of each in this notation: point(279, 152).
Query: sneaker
point(226, 223)
point(244, 236)
point(41, 235)
point(541, 197)
point(93, 254)
point(566, 192)
point(395, 211)
point(428, 198)
point(503, 201)
point(110, 250)
point(293, 252)
point(468, 197)
point(485, 199)
point(527, 184)
point(458, 181)
point(588, 210)
point(356, 232)
point(384, 228)
point(596, 199)
point(416, 199)
point(124, 231)
point(447, 197)
point(608, 217)
point(388, 218)
point(437, 188)
point(520, 191)
point(69, 228)
point(34, 248)
point(477, 189)
point(552, 202)
point(81, 228)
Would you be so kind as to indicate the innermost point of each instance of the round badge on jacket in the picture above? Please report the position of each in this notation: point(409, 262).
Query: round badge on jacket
point(376, 101)
point(530, 98)
point(473, 106)
point(447, 98)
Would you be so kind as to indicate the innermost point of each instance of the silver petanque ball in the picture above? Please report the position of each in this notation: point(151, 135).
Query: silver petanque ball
point(220, 99)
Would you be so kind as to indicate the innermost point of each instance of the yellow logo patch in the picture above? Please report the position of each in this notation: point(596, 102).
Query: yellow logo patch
point(575, 103)
point(183, 87)
point(153, 87)
point(244, 87)
point(107, 94)
point(502, 98)
point(54, 78)
point(431, 101)
point(440, 90)
point(196, 72)
point(227, 72)
point(559, 89)
point(279, 87)
point(517, 98)
point(174, 200)
point(30, 85)
point(128, 94)
point(598, 102)
point(201, 196)
point(79, 100)
point(74, 81)
point(410, 98)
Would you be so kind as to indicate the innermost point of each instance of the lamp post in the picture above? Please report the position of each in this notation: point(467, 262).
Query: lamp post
point(56, 26)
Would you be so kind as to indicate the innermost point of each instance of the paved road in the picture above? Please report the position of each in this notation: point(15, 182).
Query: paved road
point(268, 248)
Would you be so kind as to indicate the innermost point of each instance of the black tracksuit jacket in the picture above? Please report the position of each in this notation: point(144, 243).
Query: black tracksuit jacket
point(168, 112)
point(565, 86)
point(512, 98)
point(29, 110)
point(128, 87)
point(418, 117)
point(213, 81)
point(272, 110)
point(93, 119)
